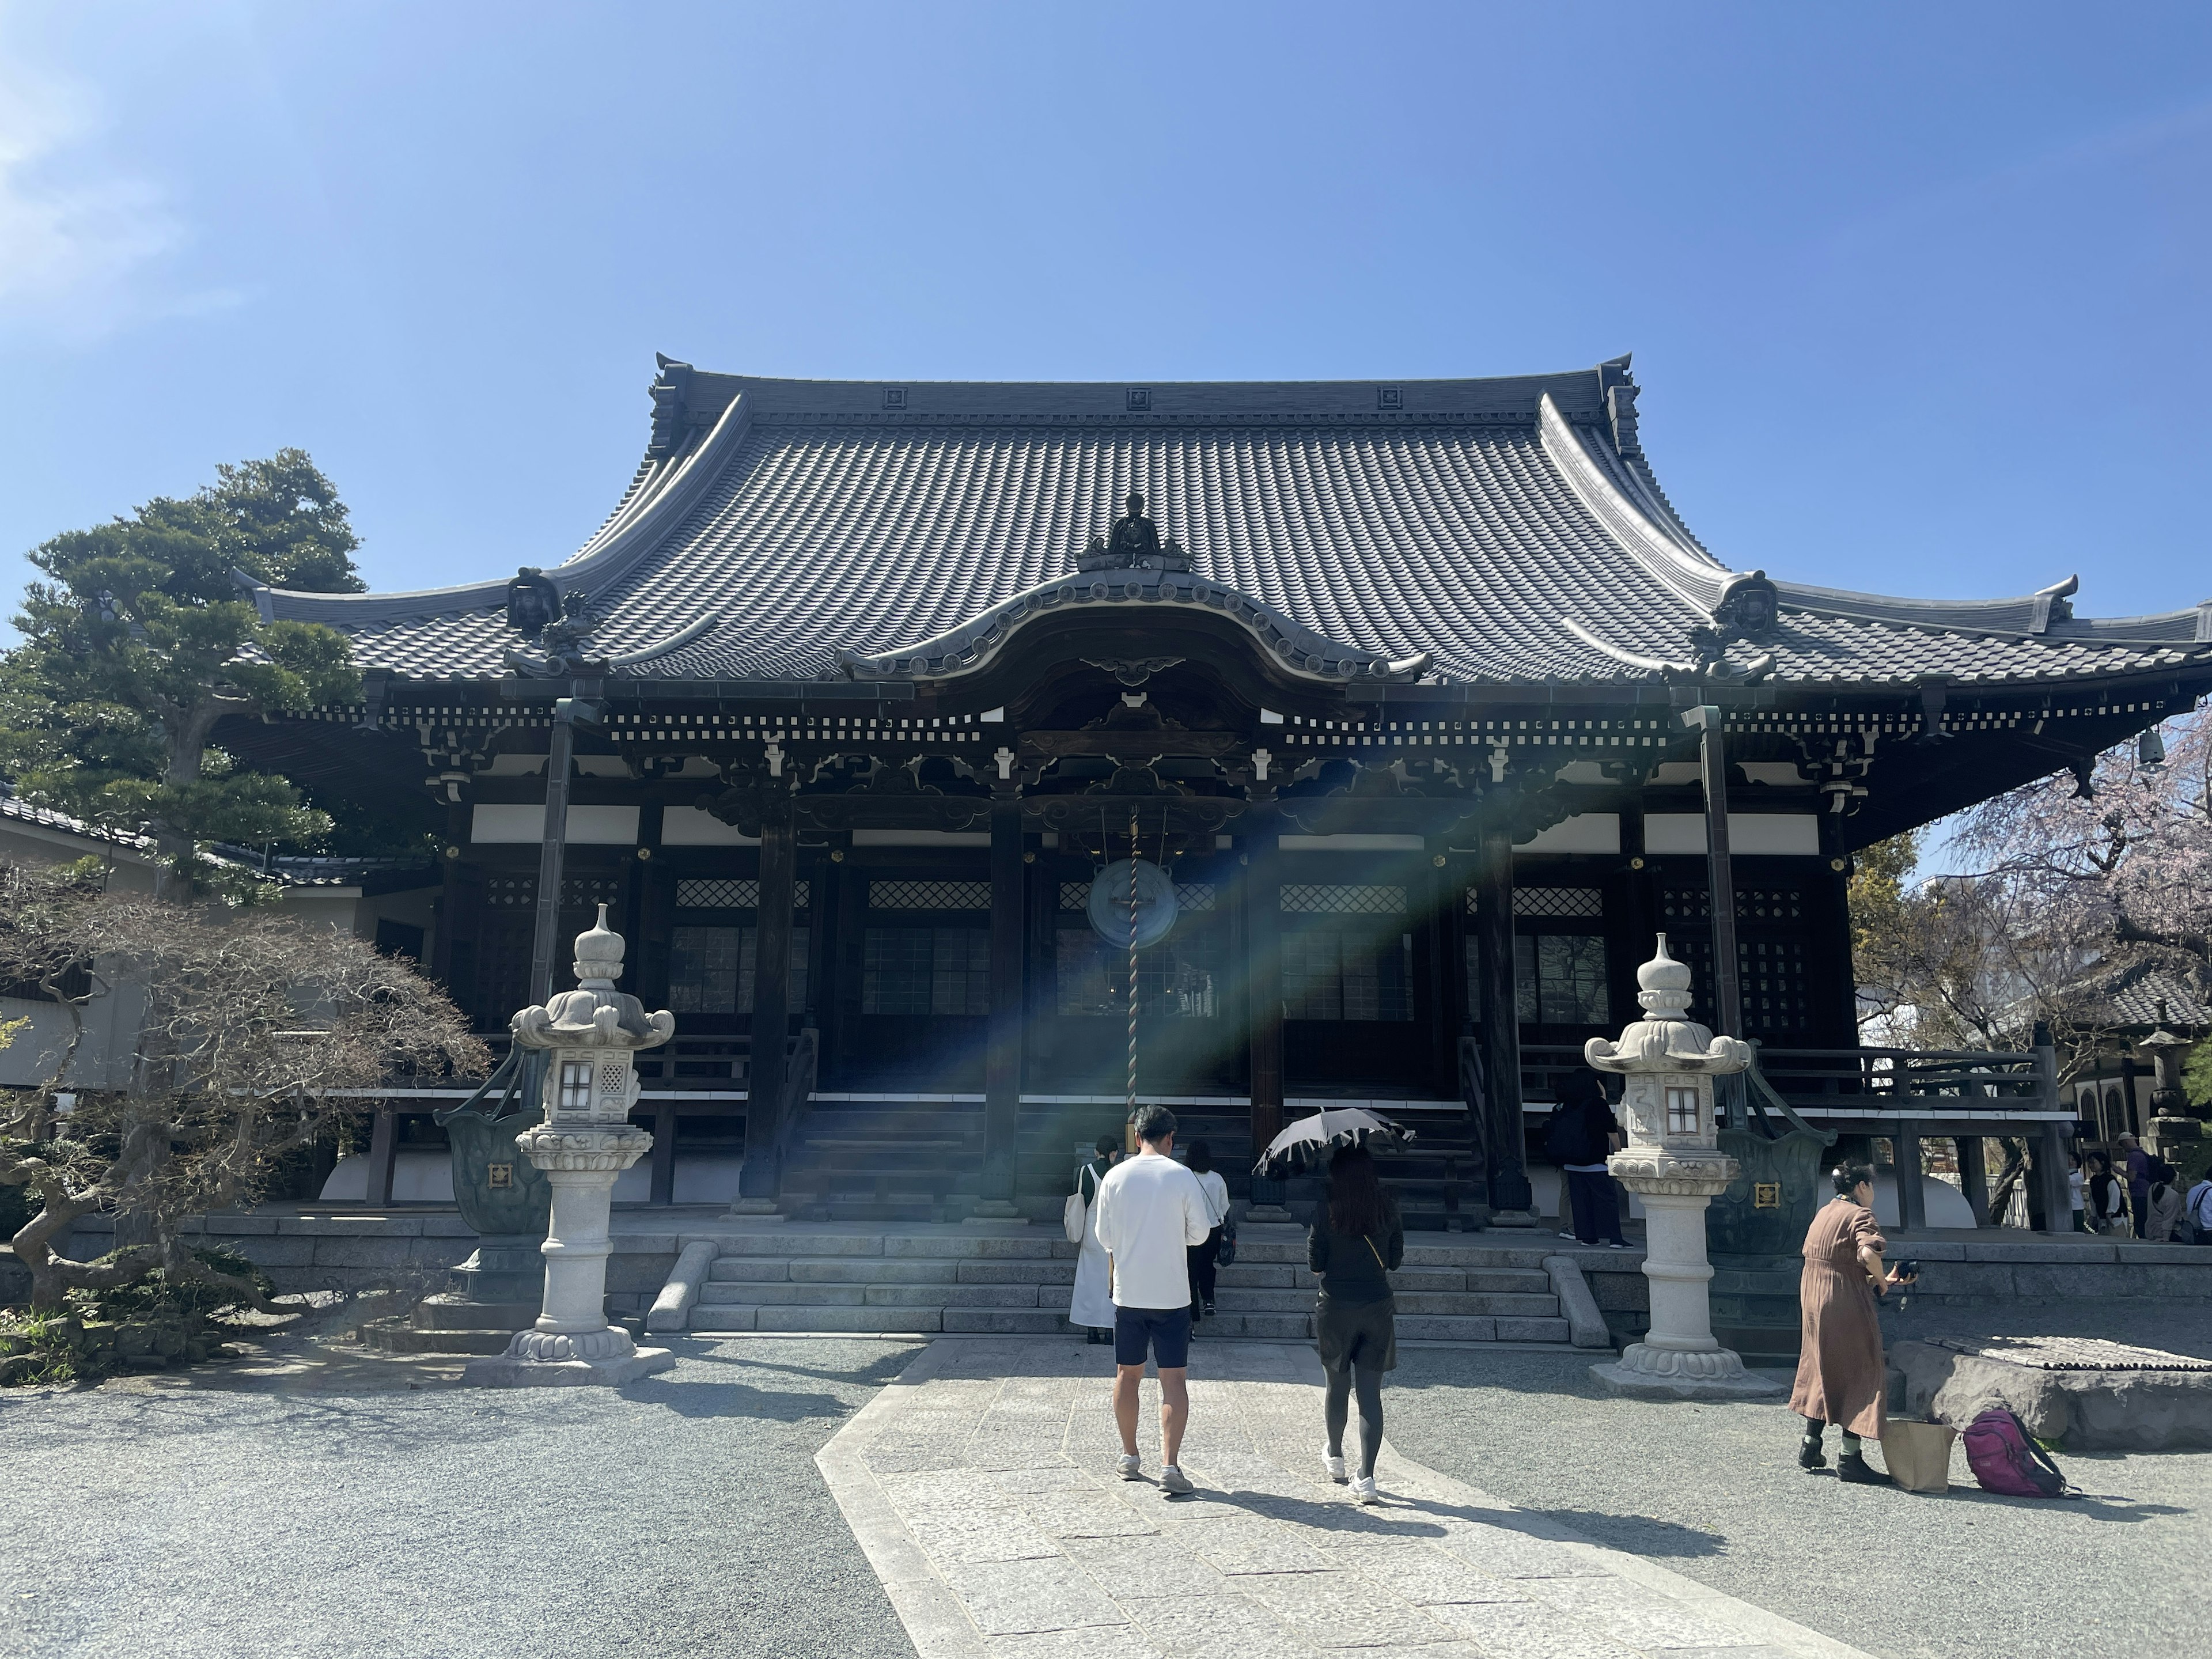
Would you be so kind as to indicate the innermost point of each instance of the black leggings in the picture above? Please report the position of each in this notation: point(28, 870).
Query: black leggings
point(1337, 1410)
point(1204, 1260)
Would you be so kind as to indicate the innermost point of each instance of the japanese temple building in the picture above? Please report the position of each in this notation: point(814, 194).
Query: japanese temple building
point(860, 685)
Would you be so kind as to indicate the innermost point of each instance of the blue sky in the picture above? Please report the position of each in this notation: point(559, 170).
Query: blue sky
point(1917, 294)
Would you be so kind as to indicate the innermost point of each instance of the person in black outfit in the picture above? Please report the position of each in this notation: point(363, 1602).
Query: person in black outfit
point(1357, 1238)
point(1206, 1259)
point(1582, 1130)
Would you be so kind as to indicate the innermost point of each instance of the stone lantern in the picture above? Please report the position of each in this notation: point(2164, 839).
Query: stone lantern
point(2173, 1130)
point(584, 1140)
point(1675, 1164)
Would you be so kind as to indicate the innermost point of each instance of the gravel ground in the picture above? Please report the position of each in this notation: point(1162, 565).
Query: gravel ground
point(1714, 1493)
point(684, 1517)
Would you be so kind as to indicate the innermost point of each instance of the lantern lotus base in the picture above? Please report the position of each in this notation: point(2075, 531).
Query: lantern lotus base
point(1645, 1371)
point(555, 1360)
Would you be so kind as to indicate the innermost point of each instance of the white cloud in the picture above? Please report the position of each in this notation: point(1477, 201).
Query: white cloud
point(81, 246)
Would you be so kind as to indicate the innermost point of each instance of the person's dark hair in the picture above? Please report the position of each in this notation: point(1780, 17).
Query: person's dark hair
point(1357, 1200)
point(1107, 1146)
point(2097, 1161)
point(1154, 1123)
point(1578, 1088)
point(1201, 1157)
point(1850, 1177)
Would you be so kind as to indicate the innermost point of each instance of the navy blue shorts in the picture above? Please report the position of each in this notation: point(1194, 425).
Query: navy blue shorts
point(1165, 1331)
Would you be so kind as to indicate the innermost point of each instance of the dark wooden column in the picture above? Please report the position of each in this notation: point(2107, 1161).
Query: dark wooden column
point(383, 1154)
point(1720, 871)
point(1905, 1155)
point(771, 1011)
point(1974, 1178)
point(1002, 1060)
point(1263, 961)
point(1501, 1026)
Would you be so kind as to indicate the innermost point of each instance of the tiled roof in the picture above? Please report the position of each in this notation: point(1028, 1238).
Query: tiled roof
point(1504, 529)
point(289, 871)
point(23, 811)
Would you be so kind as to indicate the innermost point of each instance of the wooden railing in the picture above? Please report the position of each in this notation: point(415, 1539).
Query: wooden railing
point(1876, 1080)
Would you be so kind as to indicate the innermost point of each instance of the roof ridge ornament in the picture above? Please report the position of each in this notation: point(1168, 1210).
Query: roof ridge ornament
point(1133, 543)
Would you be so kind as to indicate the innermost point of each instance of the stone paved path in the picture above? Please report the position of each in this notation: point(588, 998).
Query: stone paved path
point(981, 1487)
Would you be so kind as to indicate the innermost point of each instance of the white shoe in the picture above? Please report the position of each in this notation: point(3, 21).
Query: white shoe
point(1131, 1468)
point(1568, 1233)
point(1173, 1479)
point(1333, 1464)
point(1363, 1490)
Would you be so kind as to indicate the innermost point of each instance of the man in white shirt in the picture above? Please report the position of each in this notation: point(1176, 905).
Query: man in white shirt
point(1151, 1210)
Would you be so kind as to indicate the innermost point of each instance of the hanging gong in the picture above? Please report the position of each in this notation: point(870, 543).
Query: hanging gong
point(1109, 908)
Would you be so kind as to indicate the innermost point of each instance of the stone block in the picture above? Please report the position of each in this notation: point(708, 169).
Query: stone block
point(1412, 1279)
point(638, 1273)
point(1468, 1302)
point(234, 1226)
point(502, 1372)
point(2036, 1281)
point(1017, 1272)
point(447, 1226)
point(438, 1253)
point(2131, 1250)
point(715, 1317)
point(778, 1295)
point(352, 1226)
point(626, 1243)
point(918, 1320)
point(2026, 1248)
point(789, 1243)
point(1031, 1322)
point(1445, 1327)
point(873, 1270)
point(2166, 1282)
point(387, 1253)
point(267, 1251)
point(2088, 1410)
point(1532, 1330)
point(1987, 1281)
point(982, 1246)
point(748, 1270)
point(946, 1296)
point(1928, 1249)
point(1619, 1292)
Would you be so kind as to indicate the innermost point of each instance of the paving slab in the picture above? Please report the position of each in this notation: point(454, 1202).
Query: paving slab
point(981, 1485)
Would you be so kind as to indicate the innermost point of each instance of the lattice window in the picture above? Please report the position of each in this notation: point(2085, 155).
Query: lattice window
point(1179, 978)
point(587, 892)
point(926, 971)
point(1337, 974)
point(710, 969)
point(1773, 959)
point(704, 894)
point(1306, 898)
point(929, 895)
point(511, 892)
point(1191, 895)
point(1559, 978)
point(1567, 902)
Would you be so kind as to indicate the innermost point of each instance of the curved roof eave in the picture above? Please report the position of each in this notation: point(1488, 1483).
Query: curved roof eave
point(1650, 532)
point(654, 507)
point(974, 645)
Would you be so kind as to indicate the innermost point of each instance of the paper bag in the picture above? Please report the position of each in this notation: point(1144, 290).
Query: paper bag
point(1918, 1453)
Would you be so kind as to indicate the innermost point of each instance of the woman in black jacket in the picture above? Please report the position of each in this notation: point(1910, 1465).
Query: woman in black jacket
point(1355, 1240)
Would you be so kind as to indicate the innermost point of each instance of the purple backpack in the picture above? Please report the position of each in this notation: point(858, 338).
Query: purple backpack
point(2005, 1458)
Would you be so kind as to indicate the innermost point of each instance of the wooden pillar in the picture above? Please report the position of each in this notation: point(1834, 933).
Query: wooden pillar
point(546, 943)
point(1002, 1060)
point(1720, 871)
point(1974, 1178)
point(771, 1011)
point(383, 1154)
point(2048, 1159)
point(1263, 941)
point(1912, 1201)
point(1501, 1026)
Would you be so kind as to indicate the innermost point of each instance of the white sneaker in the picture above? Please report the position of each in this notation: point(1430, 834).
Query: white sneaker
point(1173, 1479)
point(1333, 1464)
point(1568, 1233)
point(1363, 1490)
point(1131, 1468)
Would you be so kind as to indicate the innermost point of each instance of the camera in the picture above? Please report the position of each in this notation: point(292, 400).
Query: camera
point(1908, 1270)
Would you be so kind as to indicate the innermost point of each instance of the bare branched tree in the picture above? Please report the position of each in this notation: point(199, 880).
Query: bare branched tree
point(258, 1031)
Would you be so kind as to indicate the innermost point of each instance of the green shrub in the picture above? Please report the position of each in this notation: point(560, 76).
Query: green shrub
point(150, 1325)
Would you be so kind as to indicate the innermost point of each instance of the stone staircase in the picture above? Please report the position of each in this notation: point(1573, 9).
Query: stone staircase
point(811, 1279)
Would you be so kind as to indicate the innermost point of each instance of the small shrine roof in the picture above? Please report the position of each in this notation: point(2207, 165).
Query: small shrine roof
point(1500, 531)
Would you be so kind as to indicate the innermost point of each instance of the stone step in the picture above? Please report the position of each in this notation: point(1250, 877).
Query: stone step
point(817, 1318)
point(834, 1270)
point(448, 1313)
point(393, 1337)
point(1466, 1257)
point(1280, 1276)
point(1409, 1302)
point(873, 1296)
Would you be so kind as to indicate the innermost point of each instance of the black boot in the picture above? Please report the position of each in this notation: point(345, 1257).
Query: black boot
point(1809, 1455)
point(1851, 1467)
